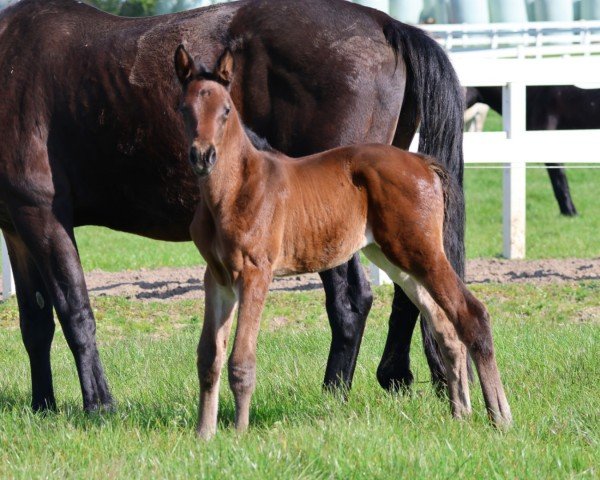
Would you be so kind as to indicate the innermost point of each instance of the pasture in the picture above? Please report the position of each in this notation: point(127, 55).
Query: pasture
point(548, 344)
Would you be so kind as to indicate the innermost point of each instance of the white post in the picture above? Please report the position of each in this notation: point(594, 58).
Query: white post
point(8, 282)
point(514, 116)
point(379, 277)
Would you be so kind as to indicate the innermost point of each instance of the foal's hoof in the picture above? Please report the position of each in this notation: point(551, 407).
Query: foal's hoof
point(502, 420)
point(107, 407)
point(205, 434)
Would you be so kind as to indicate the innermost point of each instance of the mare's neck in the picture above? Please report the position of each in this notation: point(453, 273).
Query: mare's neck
point(237, 159)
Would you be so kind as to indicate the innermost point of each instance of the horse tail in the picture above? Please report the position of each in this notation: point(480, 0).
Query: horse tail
point(436, 99)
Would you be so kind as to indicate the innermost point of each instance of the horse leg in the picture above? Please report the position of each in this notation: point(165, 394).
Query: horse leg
point(220, 303)
point(471, 320)
point(453, 352)
point(36, 321)
point(560, 187)
point(454, 314)
point(394, 372)
point(394, 368)
point(253, 288)
point(348, 301)
point(48, 234)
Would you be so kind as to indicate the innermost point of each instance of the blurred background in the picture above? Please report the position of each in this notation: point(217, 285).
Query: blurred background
point(412, 11)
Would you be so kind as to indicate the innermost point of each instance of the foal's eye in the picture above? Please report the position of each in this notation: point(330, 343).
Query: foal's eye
point(227, 110)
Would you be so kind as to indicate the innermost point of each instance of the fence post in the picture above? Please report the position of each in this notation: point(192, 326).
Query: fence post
point(378, 277)
point(8, 282)
point(514, 116)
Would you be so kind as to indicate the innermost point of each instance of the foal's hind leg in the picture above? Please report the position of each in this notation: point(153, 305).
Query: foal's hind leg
point(453, 351)
point(220, 303)
point(471, 320)
point(36, 321)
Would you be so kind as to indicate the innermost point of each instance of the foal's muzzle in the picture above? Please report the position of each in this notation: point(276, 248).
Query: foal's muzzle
point(203, 161)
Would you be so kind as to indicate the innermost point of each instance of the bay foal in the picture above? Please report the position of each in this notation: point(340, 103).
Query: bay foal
point(263, 214)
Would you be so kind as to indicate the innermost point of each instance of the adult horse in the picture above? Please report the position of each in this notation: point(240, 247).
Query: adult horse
point(92, 136)
point(563, 107)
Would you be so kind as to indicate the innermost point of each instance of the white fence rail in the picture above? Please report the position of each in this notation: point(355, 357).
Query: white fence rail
point(519, 39)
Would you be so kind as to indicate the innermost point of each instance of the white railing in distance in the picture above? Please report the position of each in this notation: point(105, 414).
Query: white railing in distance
point(515, 148)
point(8, 282)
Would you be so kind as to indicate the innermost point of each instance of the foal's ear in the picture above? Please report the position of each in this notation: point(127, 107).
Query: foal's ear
point(184, 65)
point(224, 68)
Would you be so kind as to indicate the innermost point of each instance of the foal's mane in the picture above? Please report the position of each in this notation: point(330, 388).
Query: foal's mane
point(258, 142)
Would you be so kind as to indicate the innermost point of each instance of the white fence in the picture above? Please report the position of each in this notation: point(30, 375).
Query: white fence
point(501, 40)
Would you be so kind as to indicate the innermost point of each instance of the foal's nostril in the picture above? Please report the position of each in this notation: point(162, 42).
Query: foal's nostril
point(211, 156)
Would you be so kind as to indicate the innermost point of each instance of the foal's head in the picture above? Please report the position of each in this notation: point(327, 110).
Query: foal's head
point(206, 107)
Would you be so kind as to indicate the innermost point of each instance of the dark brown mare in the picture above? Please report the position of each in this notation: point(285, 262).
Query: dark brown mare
point(91, 135)
point(263, 214)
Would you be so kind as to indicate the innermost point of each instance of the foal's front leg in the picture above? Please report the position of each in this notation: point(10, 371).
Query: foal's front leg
point(253, 288)
point(220, 303)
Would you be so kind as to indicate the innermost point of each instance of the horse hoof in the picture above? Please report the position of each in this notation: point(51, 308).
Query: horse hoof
point(400, 381)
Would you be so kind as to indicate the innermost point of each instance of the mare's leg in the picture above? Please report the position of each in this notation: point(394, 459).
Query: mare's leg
point(348, 301)
point(560, 187)
point(253, 287)
point(42, 216)
point(36, 321)
point(220, 303)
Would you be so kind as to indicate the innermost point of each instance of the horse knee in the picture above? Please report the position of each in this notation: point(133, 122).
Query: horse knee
point(209, 366)
point(242, 376)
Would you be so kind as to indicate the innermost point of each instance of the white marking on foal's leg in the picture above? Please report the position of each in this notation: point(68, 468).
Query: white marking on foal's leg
point(453, 350)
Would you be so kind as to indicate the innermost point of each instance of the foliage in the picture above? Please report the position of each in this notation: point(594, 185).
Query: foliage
point(138, 8)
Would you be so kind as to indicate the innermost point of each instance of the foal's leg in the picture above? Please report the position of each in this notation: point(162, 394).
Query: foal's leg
point(254, 285)
point(453, 352)
point(36, 321)
point(220, 303)
point(471, 320)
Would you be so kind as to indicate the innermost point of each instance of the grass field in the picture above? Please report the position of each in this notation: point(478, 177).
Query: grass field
point(548, 344)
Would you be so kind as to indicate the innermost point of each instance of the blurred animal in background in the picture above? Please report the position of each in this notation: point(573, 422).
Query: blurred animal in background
point(550, 108)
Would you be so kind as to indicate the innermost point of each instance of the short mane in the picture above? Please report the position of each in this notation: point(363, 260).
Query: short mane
point(260, 143)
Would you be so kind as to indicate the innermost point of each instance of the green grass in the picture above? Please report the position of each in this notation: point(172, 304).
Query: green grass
point(548, 345)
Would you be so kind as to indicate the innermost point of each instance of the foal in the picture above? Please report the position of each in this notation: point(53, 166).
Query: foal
point(265, 214)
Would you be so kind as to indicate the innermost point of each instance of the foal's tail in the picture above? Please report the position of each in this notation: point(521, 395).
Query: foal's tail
point(452, 192)
point(434, 98)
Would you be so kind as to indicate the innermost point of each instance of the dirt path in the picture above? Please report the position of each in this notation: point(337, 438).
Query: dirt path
point(185, 283)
